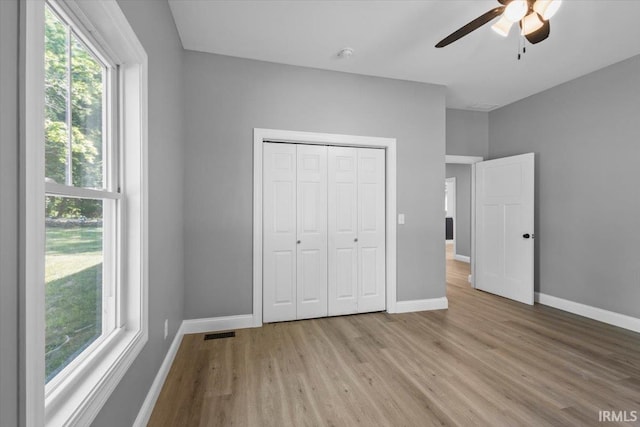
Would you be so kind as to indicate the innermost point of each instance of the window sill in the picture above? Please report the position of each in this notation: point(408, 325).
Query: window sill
point(79, 398)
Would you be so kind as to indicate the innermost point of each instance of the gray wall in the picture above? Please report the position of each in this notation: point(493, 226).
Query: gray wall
point(586, 136)
point(8, 213)
point(153, 24)
point(467, 133)
point(462, 232)
point(227, 97)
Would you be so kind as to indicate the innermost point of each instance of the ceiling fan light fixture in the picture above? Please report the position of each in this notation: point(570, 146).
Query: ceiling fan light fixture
point(547, 8)
point(531, 23)
point(503, 26)
point(534, 27)
point(516, 10)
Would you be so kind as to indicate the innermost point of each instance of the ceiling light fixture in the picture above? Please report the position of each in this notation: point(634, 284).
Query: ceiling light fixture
point(547, 8)
point(531, 23)
point(516, 10)
point(532, 15)
point(502, 27)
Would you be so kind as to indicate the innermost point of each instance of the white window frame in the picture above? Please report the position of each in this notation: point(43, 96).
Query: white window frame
point(111, 181)
point(80, 394)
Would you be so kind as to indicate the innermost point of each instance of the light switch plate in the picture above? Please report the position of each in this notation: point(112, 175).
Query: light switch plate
point(401, 219)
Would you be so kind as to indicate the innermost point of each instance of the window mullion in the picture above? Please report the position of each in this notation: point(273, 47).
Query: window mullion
point(115, 127)
point(69, 166)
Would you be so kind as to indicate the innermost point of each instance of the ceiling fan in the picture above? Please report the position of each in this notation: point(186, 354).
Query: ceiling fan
point(532, 15)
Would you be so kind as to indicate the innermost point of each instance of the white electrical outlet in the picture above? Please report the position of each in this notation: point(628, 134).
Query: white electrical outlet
point(166, 328)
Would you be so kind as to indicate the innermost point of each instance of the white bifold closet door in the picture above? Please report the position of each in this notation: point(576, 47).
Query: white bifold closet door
point(312, 232)
point(280, 232)
point(323, 231)
point(295, 232)
point(356, 202)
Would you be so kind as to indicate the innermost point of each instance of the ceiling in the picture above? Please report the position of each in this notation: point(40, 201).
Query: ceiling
point(396, 39)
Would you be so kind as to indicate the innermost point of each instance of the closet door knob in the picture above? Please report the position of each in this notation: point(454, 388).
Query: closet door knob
point(526, 235)
point(355, 240)
point(299, 241)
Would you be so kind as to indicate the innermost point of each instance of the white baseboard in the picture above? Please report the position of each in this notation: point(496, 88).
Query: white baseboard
point(422, 305)
point(213, 324)
point(189, 326)
point(152, 396)
point(595, 313)
point(462, 258)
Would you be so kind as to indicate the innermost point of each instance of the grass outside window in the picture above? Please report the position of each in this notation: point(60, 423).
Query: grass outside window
point(73, 290)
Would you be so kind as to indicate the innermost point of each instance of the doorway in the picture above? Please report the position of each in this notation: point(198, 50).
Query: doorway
point(450, 211)
point(459, 182)
point(501, 208)
point(262, 136)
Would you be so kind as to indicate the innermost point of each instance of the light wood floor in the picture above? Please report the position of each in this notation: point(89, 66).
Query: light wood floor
point(485, 361)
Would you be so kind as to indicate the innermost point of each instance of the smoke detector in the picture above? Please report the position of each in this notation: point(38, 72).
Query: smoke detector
point(345, 53)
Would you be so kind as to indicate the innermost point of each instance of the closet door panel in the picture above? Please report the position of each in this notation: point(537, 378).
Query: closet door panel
point(370, 282)
point(371, 230)
point(343, 231)
point(279, 232)
point(311, 278)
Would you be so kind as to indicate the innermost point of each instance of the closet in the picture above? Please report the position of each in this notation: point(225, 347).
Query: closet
point(323, 231)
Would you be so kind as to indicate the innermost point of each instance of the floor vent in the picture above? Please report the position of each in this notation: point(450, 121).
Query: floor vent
point(219, 335)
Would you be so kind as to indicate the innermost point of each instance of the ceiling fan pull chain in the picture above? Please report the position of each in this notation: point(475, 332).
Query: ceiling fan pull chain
point(521, 49)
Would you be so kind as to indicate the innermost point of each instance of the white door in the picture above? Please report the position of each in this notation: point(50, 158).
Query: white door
point(312, 231)
point(343, 230)
point(323, 231)
point(279, 232)
point(371, 230)
point(504, 227)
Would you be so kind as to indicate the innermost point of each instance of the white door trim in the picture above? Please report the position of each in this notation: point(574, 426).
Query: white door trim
point(462, 160)
point(275, 135)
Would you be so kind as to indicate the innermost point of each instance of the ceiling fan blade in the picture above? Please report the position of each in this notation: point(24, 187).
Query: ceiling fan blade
point(540, 34)
point(472, 26)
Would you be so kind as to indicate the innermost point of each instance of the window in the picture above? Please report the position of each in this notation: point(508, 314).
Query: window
point(85, 208)
point(80, 226)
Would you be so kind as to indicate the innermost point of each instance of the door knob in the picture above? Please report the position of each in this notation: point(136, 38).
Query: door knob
point(299, 241)
point(355, 240)
point(526, 235)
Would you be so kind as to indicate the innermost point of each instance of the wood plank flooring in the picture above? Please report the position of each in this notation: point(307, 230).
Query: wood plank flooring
point(485, 361)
